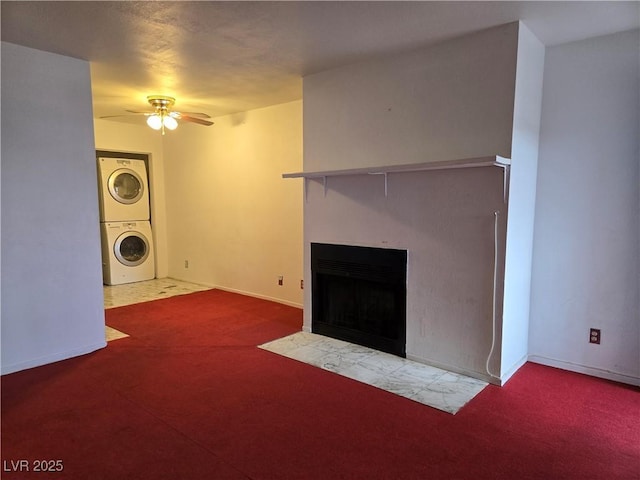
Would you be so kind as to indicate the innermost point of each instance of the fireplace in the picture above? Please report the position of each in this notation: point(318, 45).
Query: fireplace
point(359, 295)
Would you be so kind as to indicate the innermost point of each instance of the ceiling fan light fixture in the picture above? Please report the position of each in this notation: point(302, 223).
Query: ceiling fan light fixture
point(162, 118)
point(154, 121)
point(169, 122)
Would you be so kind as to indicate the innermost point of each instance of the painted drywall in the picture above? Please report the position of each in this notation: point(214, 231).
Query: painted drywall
point(522, 199)
point(586, 243)
point(449, 238)
point(52, 303)
point(447, 102)
point(133, 138)
point(229, 212)
point(474, 96)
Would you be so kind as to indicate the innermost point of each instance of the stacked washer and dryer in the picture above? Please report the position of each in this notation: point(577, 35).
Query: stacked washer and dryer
point(127, 242)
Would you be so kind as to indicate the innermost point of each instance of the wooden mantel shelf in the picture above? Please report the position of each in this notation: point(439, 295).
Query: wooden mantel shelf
point(494, 161)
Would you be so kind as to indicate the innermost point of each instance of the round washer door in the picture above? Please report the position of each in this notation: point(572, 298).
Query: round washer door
point(131, 248)
point(125, 186)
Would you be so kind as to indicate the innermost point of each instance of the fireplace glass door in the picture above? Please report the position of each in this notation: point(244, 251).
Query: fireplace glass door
point(359, 295)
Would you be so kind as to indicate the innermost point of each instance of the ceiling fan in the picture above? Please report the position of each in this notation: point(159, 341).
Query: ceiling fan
point(162, 117)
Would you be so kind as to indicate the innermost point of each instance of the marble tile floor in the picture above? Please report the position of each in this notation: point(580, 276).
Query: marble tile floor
point(428, 385)
point(113, 334)
point(137, 292)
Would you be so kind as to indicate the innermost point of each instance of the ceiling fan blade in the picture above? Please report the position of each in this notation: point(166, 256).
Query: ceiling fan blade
point(189, 114)
point(195, 114)
point(115, 116)
point(187, 118)
point(138, 112)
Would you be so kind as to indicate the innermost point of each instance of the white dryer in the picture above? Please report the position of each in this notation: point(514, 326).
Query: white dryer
point(124, 189)
point(127, 252)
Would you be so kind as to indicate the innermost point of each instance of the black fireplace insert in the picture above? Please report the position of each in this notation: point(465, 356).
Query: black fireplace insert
point(359, 295)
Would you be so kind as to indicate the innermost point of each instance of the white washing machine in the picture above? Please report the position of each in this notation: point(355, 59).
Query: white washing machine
point(124, 189)
point(127, 252)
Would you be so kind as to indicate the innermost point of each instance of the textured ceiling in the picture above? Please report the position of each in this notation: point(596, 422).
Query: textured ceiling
point(226, 57)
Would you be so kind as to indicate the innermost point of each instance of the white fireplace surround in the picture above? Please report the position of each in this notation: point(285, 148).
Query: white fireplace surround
point(443, 214)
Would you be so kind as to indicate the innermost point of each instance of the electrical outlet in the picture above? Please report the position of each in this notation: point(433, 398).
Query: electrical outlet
point(280, 280)
point(186, 264)
point(594, 336)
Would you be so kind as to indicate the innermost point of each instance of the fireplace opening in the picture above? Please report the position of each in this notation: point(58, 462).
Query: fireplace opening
point(359, 295)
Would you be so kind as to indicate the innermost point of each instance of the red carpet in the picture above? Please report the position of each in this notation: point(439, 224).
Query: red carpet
point(189, 396)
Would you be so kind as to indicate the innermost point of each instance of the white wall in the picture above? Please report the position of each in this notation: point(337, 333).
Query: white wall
point(229, 212)
point(132, 138)
point(451, 101)
point(52, 304)
point(522, 199)
point(586, 243)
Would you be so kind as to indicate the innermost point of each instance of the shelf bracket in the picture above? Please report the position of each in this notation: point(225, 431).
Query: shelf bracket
point(507, 170)
point(324, 184)
point(385, 180)
point(304, 189)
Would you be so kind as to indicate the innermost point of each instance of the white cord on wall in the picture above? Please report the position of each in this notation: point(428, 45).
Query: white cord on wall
point(495, 287)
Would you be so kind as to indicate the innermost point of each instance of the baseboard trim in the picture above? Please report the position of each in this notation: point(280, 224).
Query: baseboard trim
point(516, 366)
point(240, 292)
point(451, 368)
point(578, 368)
point(56, 357)
point(257, 295)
